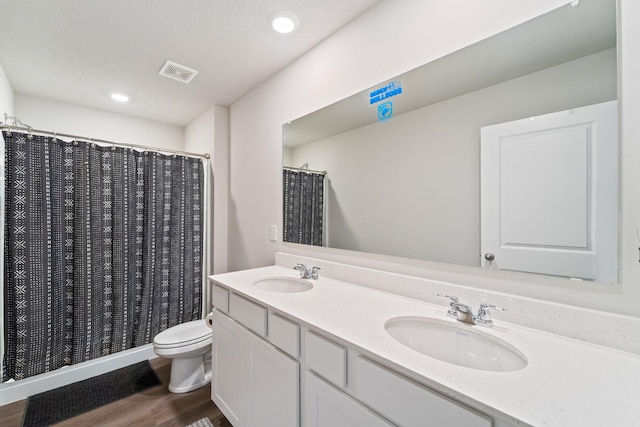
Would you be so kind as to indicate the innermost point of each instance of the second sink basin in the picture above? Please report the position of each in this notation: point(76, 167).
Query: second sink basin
point(457, 344)
point(283, 284)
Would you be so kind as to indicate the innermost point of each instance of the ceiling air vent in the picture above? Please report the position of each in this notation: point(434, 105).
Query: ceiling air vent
point(177, 72)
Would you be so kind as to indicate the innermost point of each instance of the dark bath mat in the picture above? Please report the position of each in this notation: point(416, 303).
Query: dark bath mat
point(74, 399)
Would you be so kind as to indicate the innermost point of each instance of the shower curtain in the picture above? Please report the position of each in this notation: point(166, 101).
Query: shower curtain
point(303, 207)
point(103, 250)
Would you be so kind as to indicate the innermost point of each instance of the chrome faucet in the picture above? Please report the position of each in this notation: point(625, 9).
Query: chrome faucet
point(484, 315)
point(306, 273)
point(464, 313)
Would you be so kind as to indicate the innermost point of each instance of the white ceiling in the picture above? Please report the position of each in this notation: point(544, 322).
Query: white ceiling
point(80, 51)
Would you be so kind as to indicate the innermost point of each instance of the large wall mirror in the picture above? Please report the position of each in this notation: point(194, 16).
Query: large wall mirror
point(406, 182)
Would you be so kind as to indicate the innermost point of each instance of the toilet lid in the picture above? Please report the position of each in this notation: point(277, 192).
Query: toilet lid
point(183, 334)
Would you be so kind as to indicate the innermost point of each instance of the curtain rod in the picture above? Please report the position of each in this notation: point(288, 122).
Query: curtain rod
point(30, 130)
point(304, 170)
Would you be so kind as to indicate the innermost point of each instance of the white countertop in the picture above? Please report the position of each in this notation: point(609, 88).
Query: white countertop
point(565, 383)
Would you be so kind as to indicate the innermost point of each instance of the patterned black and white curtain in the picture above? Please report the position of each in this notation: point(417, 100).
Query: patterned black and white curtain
point(303, 207)
point(103, 250)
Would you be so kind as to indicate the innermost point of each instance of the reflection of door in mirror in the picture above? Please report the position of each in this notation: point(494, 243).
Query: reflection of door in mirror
point(549, 188)
point(303, 196)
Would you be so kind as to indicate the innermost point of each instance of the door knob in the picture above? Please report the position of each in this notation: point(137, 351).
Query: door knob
point(489, 256)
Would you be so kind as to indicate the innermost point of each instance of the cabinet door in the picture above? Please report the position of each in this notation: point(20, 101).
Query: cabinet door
point(253, 383)
point(326, 406)
point(273, 386)
point(230, 368)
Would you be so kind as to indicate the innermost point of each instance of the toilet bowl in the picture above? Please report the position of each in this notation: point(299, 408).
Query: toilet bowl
point(188, 345)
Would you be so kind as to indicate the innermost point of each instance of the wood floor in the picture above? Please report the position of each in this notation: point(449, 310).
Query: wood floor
point(153, 407)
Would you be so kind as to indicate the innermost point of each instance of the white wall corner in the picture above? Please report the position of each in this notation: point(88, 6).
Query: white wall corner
point(208, 133)
point(6, 95)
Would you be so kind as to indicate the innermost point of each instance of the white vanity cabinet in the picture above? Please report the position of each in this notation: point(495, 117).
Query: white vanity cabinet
point(268, 370)
point(253, 383)
point(345, 388)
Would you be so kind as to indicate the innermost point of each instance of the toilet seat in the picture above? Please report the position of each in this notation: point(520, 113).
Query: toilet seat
point(183, 335)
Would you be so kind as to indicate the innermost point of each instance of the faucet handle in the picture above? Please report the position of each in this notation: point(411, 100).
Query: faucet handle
point(453, 298)
point(484, 315)
point(453, 305)
point(313, 274)
point(302, 268)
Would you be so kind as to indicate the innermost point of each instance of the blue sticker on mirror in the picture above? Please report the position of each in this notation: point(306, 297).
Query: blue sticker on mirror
point(385, 111)
point(392, 89)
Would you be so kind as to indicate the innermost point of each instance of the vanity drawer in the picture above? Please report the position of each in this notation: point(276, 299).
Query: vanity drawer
point(407, 403)
point(326, 358)
point(327, 406)
point(248, 313)
point(220, 298)
point(284, 334)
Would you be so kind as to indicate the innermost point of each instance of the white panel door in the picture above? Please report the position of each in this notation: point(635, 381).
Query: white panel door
point(549, 194)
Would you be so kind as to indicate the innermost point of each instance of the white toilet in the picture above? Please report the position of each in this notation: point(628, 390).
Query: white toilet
point(189, 346)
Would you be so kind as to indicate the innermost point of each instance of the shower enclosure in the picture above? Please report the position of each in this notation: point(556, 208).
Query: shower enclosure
point(103, 248)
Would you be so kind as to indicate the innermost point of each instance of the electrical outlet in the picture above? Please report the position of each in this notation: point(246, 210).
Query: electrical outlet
point(273, 232)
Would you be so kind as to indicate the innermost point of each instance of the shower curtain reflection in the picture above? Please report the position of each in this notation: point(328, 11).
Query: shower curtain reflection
point(103, 250)
point(303, 206)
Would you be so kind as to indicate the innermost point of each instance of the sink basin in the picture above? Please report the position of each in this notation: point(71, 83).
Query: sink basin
point(283, 284)
point(458, 344)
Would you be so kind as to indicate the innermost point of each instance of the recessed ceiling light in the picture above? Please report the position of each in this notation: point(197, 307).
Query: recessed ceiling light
point(119, 97)
point(283, 22)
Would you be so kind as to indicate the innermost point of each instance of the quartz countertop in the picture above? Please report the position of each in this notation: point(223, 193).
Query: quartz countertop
point(565, 383)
